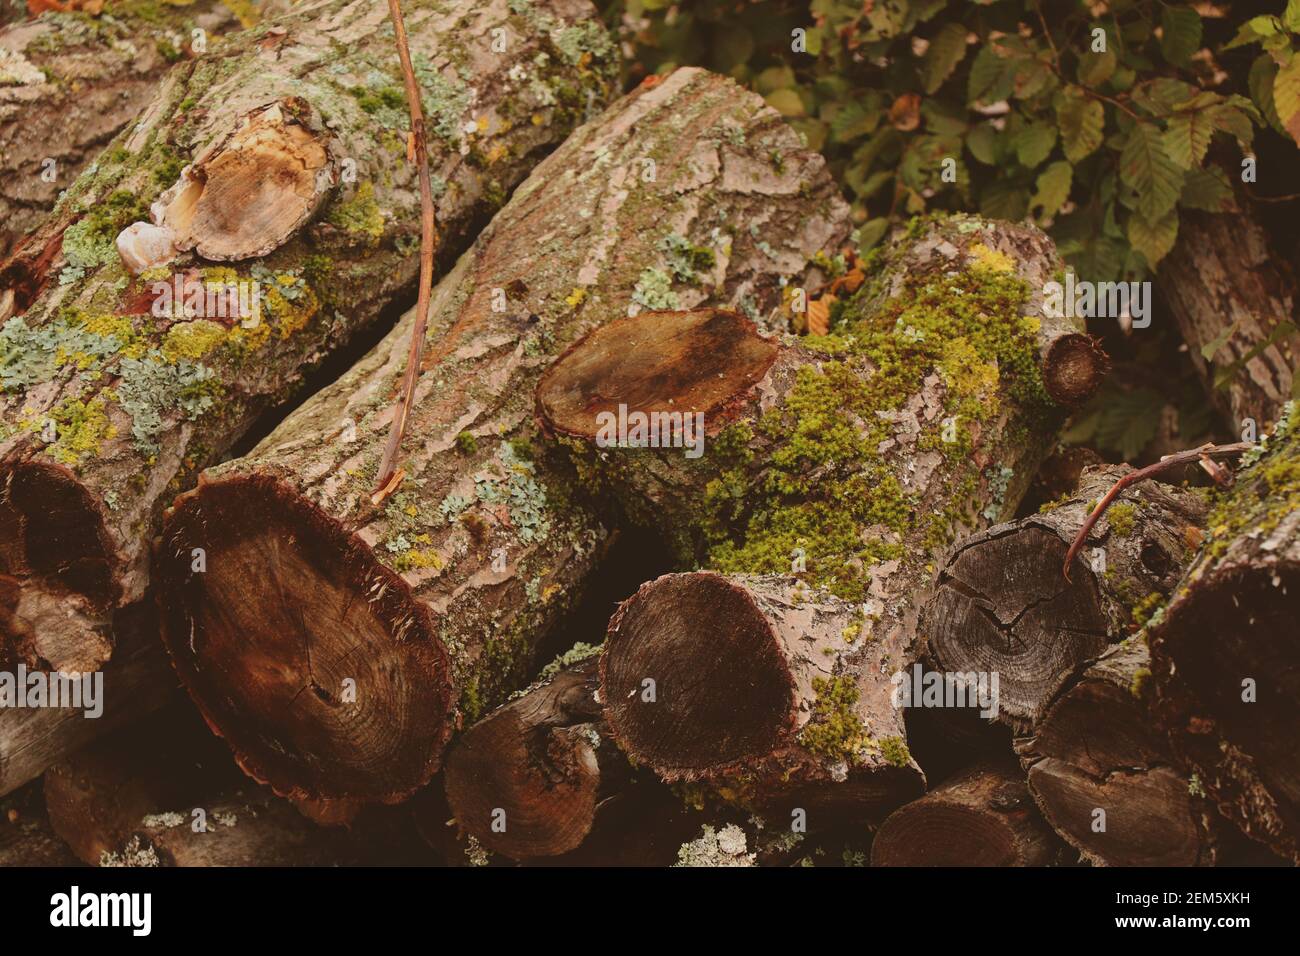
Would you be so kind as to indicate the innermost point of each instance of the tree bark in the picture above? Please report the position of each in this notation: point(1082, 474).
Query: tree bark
point(26, 837)
point(1226, 287)
point(1224, 652)
point(1002, 605)
point(1098, 749)
point(110, 409)
point(983, 817)
point(758, 687)
point(448, 585)
point(70, 82)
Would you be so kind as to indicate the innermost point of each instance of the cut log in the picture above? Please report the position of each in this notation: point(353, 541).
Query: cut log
point(335, 641)
point(1225, 652)
point(116, 389)
point(166, 793)
point(26, 837)
point(1230, 292)
point(540, 780)
point(1104, 777)
point(983, 817)
point(757, 685)
point(1002, 606)
point(849, 460)
point(136, 682)
point(70, 83)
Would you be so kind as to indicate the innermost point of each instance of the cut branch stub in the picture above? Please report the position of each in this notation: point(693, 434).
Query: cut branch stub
point(326, 645)
point(246, 194)
point(983, 817)
point(1225, 657)
point(655, 363)
point(758, 686)
point(1073, 368)
point(487, 540)
point(1104, 777)
point(1002, 606)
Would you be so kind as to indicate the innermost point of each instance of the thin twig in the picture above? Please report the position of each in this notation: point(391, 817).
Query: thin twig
point(419, 152)
point(1141, 474)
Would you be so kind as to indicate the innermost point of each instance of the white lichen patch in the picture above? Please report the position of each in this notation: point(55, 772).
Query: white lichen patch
point(17, 70)
point(725, 847)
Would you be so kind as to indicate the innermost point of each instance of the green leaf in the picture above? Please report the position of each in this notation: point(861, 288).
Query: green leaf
point(1188, 135)
point(1218, 342)
point(785, 102)
point(1254, 30)
point(1207, 190)
point(982, 143)
point(1180, 34)
point(989, 79)
point(1153, 239)
point(946, 50)
point(1260, 81)
point(1096, 68)
point(1129, 420)
point(1147, 168)
point(1052, 188)
point(1286, 97)
point(871, 232)
point(1004, 200)
point(1291, 16)
point(1034, 143)
point(1081, 121)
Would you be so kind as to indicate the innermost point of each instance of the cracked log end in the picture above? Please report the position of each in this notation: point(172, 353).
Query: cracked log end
point(984, 817)
point(310, 657)
point(247, 194)
point(723, 690)
point(688, 362)
point(1235, 623)
point(528, 760)
point(1002, 607)
point(58, 578)
point(1073, 368)
point(1097, 748)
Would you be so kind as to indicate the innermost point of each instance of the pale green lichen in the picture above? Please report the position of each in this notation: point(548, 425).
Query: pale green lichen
point(725, 847)
point(575, 655)
point(654, 290)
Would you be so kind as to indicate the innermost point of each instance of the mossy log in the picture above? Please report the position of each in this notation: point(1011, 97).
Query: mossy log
point(850, 459)
point(1225, 651)
point(283, 157)
point(1230, 290)
point(69, 82)
point(1002, 605)
point(759, 687)
point(983, 817)
point(1104, 776)
point(689, 191)
point(539, 779)
point(136, 682)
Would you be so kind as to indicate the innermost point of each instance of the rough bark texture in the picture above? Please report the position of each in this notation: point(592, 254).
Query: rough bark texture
point(1225, 286)
point(26, 837)
point(137, 681)
point(1097, 749)
point(1225, 652)
point(983, 817)
point(1002, 605)
point(448, 584)
point(69, 82)
point(757, 686)
point(108, 409)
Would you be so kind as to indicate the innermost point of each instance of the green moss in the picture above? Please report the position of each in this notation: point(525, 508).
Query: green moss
point(1141, 677)
point(360, 215)
point(895, 751)
point(835, 731)
point(467, 443)
point(1143, 610)
point(90, 242)
point(82, 427)
point(1267, 489)
point(1121, 517)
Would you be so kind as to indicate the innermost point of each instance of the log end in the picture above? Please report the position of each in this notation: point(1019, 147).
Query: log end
point(309, 656)
point(1073, 368)
point(693, 679)
point(59, 577)
point(699, 362)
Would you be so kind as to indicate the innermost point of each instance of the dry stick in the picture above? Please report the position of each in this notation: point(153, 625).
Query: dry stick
point(1150, 471)
point(428, 243)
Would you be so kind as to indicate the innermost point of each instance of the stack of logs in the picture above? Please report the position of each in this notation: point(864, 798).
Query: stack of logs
point(857, 652)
